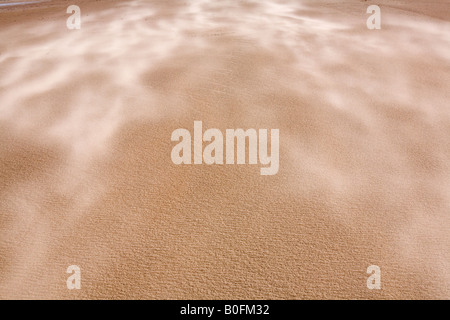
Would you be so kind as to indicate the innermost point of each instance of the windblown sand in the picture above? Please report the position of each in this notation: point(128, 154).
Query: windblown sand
point(86, 176)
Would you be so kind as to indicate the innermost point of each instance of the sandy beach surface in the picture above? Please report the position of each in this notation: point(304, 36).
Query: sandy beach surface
point(86, 176)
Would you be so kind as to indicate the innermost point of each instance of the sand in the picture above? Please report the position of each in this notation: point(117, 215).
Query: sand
point(86, 176)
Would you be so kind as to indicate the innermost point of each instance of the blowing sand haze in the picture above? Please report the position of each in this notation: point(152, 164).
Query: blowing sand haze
point(92, 205)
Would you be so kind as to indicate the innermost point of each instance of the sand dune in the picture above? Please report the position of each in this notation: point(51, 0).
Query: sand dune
point(86, 177)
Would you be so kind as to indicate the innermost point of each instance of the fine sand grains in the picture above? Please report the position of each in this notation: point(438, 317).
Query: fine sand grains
point(86, 177)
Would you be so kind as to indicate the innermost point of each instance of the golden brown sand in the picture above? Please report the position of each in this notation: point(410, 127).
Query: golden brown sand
point(86, 176)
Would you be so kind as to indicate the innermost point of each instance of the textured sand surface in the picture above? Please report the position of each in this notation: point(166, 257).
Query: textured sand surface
point(86, 176)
